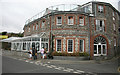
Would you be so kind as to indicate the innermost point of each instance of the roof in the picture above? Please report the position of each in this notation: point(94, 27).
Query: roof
point(10, 39)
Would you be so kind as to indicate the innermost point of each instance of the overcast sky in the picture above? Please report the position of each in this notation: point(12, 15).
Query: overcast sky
point(15, 12)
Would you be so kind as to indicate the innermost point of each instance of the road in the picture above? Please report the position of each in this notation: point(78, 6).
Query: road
point(23, 65)
point(17, 66)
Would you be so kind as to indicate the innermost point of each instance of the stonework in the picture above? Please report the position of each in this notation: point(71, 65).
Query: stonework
point(87, 32)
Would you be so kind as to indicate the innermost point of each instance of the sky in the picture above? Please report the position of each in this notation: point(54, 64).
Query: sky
point(14, 13)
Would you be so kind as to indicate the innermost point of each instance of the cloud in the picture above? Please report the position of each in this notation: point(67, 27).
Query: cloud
point(16, 12)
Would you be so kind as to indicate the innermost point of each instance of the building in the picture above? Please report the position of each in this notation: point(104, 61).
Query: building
point(91, 28)
point(119, 6)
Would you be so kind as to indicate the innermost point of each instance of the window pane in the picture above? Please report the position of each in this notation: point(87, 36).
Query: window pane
point(81, 45)
point(100, 8)
point(43, 23)
point(70, 20)
point(70, 45)
point(59, 20)
point(81, 20)
point(104, 49)
point(95, 49)
point(58, 45)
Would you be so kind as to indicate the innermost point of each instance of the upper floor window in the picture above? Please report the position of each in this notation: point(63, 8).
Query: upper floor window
point(70, 20)
point(100, 8)
point(81, 20)
point(100, 25)
point(29, 29)
point(113, 13)
point(43, 23)
point(33, 27)
point(36, 26)
point(59, 20)
point(115, 42)
point(114, 26)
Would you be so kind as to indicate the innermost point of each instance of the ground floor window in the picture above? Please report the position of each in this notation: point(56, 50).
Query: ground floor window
point(58, 45)
point(70, 46)
point(100, 46)
point(81, 45)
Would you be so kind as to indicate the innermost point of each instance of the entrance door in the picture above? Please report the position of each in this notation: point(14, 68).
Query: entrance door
point(100, 46)
point(45, 46)
point(36, 45)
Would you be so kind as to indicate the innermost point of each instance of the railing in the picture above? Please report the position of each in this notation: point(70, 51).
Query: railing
point(62, 7)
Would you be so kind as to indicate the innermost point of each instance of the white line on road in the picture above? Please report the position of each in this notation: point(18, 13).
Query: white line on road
point(49, 67)
point(31, 62)
point(26, 61)
point(66, 70)
point(80, 71)
point(53, 66)
point(44, 64)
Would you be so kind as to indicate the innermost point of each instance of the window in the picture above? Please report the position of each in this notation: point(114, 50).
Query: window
point(70, 20)
point(100, 8)
point(100, 25)
point(114, 41)
point(81, 20)
point(114, 26)
point(33, 27)
point(43, 23)
point(113, 13)
point(36, 26)
point(59, 20)
point(113, 18)
point(29, 29)
point(58, 43)
point(81, 43)
point(70, 46)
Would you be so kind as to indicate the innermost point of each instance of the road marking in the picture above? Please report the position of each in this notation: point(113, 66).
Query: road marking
point(49, 67)
point(75, 72)
point(80, 71)
point(26, 61)
point(53, 66)
point(61, 67)
point(31, 62)
point(44, 64)
point(66, 70)
point(70, 69)
point(58, 68)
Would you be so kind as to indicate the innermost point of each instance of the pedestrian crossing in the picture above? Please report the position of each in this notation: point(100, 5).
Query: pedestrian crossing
point(69, 70)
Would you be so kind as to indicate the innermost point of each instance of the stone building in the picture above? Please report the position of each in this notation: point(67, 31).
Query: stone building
point(91, 28)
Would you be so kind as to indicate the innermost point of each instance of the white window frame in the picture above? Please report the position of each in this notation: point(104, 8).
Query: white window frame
point(101, 50)
point(83, 45)
point(70, 19)
point(115, 42)
point(43, 23)
point(29, 29)
point(98, 25)
point(57, 20)
point(57, 45)
point(100, 8)
point(114, 26)
point(33, 27)
point(81, 23)
point(72, 45)
point(36, 26)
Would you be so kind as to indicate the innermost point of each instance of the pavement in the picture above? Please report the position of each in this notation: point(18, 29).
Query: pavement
point(91, 67)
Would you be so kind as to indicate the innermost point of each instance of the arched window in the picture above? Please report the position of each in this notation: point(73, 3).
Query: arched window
point(100, 46)
point(100, 39)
